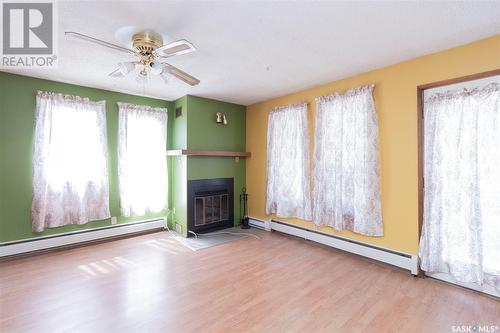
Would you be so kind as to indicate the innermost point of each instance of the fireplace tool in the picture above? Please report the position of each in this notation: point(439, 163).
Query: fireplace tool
point(243, 209)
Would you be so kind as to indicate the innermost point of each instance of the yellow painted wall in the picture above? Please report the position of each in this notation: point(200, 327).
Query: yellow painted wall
point(396, 102)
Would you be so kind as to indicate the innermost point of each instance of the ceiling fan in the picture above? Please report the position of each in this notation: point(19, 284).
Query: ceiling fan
point(148, 46)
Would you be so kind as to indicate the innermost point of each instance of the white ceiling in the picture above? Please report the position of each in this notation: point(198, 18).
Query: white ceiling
point(253, 51)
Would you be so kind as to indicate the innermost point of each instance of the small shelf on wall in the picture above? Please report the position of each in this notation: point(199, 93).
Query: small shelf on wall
point(219, 153)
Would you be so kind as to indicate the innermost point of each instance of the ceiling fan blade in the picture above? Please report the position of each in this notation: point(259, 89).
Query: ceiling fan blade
point(178, 47)
point(181, 75)
point(99, 42)
point(116, 73)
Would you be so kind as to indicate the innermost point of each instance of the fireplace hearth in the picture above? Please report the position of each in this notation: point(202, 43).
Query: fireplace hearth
point(210, 204)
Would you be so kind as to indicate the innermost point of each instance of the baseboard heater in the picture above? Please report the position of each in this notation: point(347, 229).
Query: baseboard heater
point(259, 224)
point(73, 238)
point(399, 259)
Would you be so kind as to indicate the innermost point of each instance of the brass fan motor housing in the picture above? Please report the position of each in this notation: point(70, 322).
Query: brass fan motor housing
point(146, 42)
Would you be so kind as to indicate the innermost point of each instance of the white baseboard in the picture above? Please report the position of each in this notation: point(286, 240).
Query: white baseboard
point(47, 242)
point(259, 224)
point(396, 258)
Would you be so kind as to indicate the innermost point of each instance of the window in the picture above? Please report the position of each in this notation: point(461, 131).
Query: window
point(288, 162)
point(346, 184)
point(142, 158)
point(70, 172)
point(461, 229)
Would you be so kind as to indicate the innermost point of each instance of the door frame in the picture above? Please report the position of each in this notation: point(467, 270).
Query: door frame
point(420, 126)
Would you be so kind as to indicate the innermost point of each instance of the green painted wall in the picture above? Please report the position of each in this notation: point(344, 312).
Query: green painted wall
point(179, 125)
point(205, 134)
point(197, 129)
point(178, 166)
point(17, 109)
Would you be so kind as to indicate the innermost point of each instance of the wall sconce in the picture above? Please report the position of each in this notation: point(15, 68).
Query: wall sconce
point(221, 118)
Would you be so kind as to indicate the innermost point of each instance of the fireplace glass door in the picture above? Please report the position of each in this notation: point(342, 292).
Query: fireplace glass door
point(210, 209)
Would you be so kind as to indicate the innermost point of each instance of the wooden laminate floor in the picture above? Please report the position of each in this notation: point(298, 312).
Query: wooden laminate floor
point(152, 283)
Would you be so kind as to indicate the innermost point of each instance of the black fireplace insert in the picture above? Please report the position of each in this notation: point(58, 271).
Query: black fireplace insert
point(210, 204)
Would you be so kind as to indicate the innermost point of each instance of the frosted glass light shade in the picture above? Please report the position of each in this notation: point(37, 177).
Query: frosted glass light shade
point(126, 67)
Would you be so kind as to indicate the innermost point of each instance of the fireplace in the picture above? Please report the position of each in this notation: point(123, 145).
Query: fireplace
point(210, 204)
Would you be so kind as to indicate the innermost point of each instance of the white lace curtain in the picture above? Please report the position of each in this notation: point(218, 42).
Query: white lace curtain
point(70, 172)
point(288, 162)
point(346, 181)
point(142, 159)
point(461, 229)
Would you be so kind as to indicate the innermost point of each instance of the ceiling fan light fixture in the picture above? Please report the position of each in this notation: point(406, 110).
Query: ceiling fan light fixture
point(142, 78)
point(126, 67)
point(165, 76)
point(155, 67)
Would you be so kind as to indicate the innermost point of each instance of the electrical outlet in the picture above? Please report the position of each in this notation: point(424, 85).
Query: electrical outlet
point(113, 220)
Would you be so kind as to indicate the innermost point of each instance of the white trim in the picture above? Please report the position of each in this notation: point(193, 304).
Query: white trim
point(259, 224)
point(448, 278)
point(47, 242)
point(396, 258)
